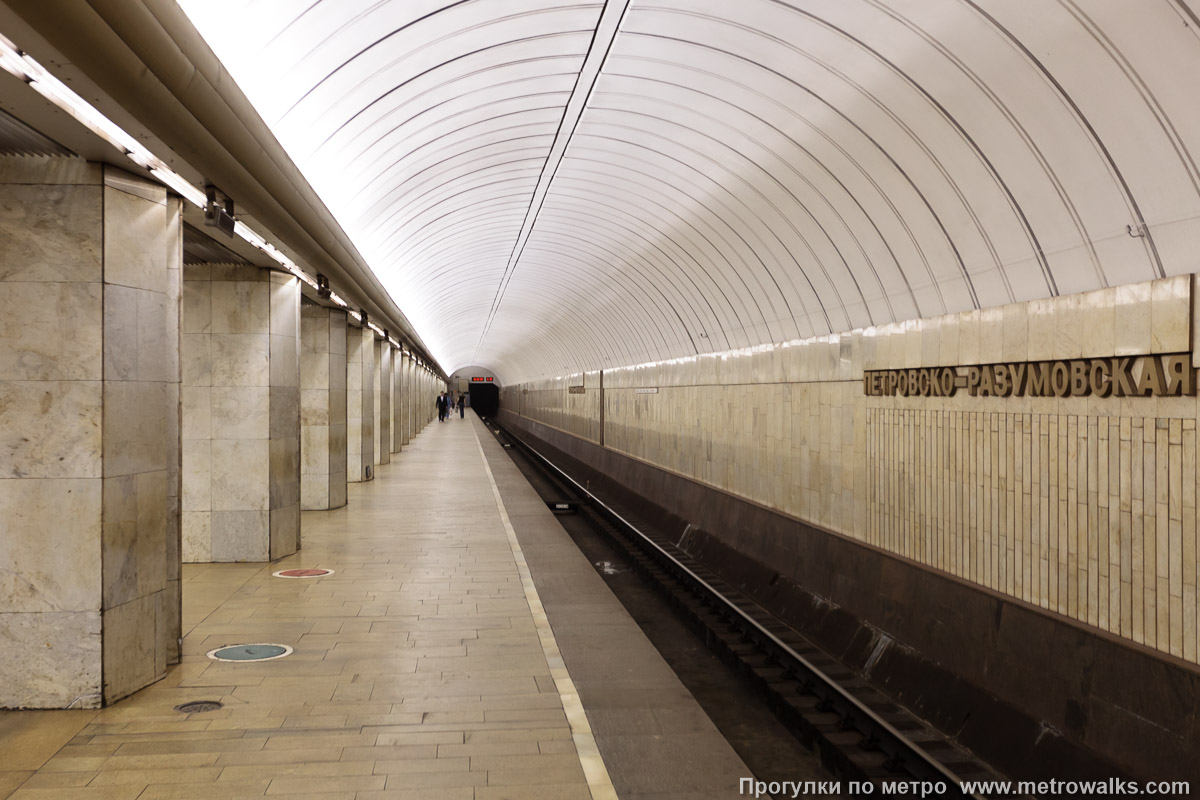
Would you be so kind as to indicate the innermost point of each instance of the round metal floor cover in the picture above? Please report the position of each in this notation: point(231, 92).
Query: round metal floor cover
point(198, 706)
point(259, 651)
point(302, 573)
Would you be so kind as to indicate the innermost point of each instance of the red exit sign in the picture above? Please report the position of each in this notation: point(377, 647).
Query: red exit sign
point(481, 380)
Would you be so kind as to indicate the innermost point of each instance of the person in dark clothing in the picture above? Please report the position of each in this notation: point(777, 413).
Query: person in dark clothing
point(461, 407)
point(441, 406)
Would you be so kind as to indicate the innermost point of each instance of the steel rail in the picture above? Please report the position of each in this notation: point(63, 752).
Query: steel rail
point(866, 717)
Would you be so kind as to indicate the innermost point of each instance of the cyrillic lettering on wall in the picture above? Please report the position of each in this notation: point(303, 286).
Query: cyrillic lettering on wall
point(1170, 375)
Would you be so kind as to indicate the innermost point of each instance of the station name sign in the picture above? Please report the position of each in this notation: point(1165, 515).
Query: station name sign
point(1123, 376)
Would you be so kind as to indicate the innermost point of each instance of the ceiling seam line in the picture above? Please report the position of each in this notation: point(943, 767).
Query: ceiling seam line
point(612, 8)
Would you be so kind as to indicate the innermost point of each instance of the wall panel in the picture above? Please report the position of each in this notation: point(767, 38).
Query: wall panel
point(1082, 506)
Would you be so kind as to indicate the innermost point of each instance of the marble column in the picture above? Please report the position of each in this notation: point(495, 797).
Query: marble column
point(408, 392)
point(322, 408)
point(421, 402)
point(241, 413)
point(360, 404)
point(89, 371)
point(383, 405)
point(399, 364)
point(172, 632)
point(284, 480)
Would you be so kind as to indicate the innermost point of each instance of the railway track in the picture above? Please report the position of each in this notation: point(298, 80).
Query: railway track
point(859, 734)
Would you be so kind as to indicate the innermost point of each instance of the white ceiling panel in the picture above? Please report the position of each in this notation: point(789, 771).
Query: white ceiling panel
point(556, 185)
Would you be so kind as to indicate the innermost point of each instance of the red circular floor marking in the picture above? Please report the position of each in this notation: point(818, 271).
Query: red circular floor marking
point(303, 573)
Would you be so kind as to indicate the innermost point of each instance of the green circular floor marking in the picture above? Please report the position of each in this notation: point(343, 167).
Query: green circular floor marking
point(259, 651)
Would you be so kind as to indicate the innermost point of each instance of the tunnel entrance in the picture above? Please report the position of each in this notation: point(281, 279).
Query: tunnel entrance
point(485, 399)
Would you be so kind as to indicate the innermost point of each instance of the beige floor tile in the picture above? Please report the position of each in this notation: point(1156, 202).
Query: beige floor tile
point(55, 780)
point(115, 777)
point(311, 784)
point(62, 764)
point(390, 753)
point(81, 793)
point(10, 780)
point(435, 780)
point(207, 791)
point(30, 738)
point(409, 765)
point(267, 758)
point(160, 762)
point(491, 749)
point(567, 791)
point(446, 793)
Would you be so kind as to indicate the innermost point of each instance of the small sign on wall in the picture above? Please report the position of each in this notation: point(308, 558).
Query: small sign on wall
point(575, 390)
point(646, 390)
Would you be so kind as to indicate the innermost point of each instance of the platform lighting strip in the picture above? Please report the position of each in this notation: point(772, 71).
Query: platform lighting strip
point(25, 68)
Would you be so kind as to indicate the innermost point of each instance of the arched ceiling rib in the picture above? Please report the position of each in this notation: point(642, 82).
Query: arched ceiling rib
point(553, 185)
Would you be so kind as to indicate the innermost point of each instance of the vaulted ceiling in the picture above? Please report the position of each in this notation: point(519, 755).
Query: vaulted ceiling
point(552, 185)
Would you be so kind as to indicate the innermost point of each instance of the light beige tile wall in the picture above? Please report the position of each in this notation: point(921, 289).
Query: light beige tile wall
point(241, 413)
point(360, 403)
point(88, 378)
point(551, 401)
point(322, 408)
point(1085, 507)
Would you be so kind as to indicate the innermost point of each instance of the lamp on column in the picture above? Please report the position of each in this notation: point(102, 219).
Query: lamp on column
point(214, 215)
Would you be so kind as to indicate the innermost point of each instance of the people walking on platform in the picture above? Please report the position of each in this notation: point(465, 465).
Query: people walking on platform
point(462, 413)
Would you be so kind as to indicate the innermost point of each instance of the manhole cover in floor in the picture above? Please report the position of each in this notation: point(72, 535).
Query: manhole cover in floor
point(199, 706)
point(259, 651)
point(302, 573)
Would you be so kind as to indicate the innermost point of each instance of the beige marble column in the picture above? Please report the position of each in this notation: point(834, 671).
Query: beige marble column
point(89, 370)
point(172, 632)
point(360, 404)
point(284, 481)
point(322, 408)
point(241, 413)
point(407, 394)
point(383, 404)
point(399, 363)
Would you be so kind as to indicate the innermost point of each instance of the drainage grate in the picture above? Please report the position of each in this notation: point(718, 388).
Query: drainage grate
point(259, 651)
point(199, 706)
point(302, 573)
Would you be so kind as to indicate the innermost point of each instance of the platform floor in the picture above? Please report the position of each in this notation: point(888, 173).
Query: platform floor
point(426, 666)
